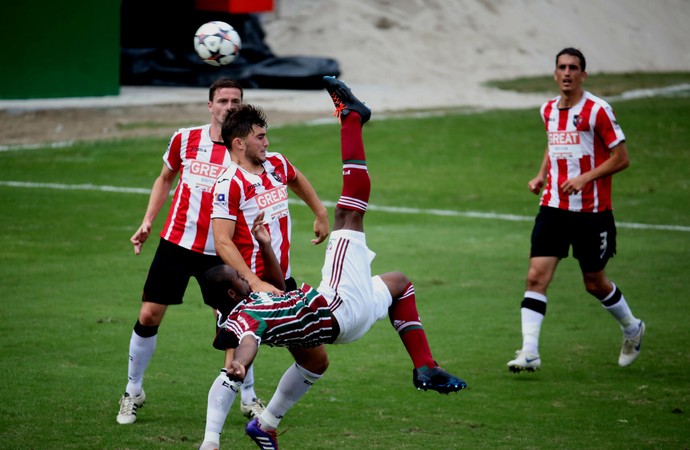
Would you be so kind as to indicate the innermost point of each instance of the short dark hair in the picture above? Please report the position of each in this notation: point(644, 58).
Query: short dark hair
point(239, 122)
point(222, 83)
point(573, 52)
point(216, 288)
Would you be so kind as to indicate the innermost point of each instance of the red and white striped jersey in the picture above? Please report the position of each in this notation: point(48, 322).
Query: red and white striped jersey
point(240, 196)
point(579, 139)
point(199, 160)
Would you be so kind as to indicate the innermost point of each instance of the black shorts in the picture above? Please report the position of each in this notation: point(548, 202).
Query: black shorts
point(592, 236)
point(170, 271)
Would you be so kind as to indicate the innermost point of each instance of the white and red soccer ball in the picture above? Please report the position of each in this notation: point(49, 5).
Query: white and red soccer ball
point(217, 43)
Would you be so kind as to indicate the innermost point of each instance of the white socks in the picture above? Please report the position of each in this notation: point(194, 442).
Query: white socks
point(140, 352)
point(296, 382)
point(621, 312)
point(247, 391)
point(531, 324)
point(220, 398)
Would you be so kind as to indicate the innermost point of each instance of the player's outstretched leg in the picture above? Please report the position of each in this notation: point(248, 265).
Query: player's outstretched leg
point(344, 100)
point(405, 319)
point(354, 197)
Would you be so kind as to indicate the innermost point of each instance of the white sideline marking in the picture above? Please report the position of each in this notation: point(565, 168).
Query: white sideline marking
point(59, 144)
point(75, 187)
point(388, 209)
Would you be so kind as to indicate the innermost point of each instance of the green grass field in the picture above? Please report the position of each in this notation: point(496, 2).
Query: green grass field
point(71, 289)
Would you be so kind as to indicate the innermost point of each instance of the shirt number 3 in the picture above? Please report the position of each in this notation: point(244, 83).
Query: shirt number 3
point(603, 243)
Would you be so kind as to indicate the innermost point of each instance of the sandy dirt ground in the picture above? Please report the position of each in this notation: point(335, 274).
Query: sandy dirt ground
point(397, 55)
point(21, 128)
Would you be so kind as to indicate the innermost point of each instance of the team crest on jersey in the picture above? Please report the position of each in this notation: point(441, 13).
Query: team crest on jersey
point(277, 177)
point(577, 121)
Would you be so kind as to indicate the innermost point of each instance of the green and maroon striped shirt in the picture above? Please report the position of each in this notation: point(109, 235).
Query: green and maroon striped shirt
point(299, 318)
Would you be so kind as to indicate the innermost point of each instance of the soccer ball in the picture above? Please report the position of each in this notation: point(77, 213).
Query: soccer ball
point(217, 43)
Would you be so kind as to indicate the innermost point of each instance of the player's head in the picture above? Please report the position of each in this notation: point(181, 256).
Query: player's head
point(573, 52)
point(245, 128)
point(224, 83)
point(223, 96)
point(570, 71)
point(226, 287)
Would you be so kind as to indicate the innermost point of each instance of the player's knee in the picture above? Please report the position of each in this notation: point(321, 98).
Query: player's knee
point(537, 280)
point(314, 367)
point(314, 360)
point(151, 314)
point(396, 282)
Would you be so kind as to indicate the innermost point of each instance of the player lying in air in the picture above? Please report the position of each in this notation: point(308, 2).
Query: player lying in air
point(341, 310)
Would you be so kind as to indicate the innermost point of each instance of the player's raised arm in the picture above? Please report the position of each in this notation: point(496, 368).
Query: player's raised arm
point(272, 272)
point(223, 230)
point(304, 190)
point(244, 356)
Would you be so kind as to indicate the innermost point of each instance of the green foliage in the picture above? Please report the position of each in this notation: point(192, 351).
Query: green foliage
point(71, 288)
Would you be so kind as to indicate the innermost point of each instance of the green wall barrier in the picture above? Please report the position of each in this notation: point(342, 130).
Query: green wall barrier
point(64, 48)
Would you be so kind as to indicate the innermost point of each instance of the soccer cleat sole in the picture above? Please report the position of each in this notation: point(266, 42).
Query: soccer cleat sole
point(443, 390)
point(518, 369)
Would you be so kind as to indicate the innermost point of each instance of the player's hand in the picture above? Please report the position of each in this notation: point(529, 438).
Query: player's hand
point(262, 286)
point(321, 230)
point(140, 237)
point(573, 185)
point(237, 370)
point(259, 230)
point(535, 184)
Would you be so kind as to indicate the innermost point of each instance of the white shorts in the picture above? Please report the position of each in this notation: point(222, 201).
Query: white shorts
point(357, 299)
